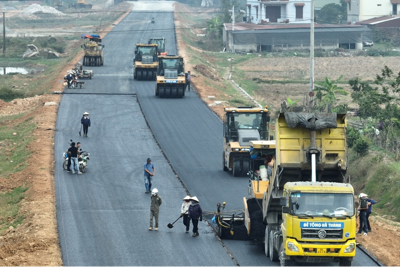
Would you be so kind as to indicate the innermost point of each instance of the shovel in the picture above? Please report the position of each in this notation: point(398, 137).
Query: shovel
point(171, 225)
point(80, 131)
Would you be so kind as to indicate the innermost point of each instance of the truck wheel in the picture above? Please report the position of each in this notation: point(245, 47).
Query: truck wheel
point(344, 262)
point(245, 167)
point(90, 75)
point(273, 254)
point(236, 172)
point(266, 241)
point(283, 261)
point(223, 162)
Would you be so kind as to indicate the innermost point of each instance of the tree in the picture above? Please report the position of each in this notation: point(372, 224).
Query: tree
point(327, 92)
point(214, 28)
point(331, 14)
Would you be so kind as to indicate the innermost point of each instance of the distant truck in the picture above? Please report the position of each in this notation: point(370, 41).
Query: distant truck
point(145, 62)
point(160, 42)
point(299, 205)
point(80, 4)
point(93, 50)
point(171, 79)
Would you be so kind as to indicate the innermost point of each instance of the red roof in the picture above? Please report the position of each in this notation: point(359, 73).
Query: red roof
point(299, 4)
point(378, 20)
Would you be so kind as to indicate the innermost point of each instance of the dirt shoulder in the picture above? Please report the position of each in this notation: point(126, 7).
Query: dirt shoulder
point(35, 241)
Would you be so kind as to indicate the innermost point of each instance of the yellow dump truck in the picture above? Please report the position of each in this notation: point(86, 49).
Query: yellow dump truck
point(242, 125)
point(299, 204)
point(93, 51)
point(145, 62)
point(171, 81)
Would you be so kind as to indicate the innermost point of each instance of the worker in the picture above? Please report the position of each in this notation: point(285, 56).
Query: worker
point(85, 123)
point(369, 211)
point(188, 78)
point(185, 213)
point(195, 214)
point(156, 202)
point(363, 213)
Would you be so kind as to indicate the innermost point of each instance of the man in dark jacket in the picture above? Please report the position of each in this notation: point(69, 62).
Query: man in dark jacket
point(195, 213)
point(369, 211)
point(85, 123)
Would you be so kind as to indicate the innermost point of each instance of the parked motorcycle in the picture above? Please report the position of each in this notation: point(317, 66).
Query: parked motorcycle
point(83, 159)
point(65, 163)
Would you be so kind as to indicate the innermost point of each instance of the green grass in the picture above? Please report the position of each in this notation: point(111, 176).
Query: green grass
point(13, 152)
point(9, 208)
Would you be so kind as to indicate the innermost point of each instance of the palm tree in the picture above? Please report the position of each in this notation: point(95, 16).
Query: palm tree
point(327, 92)
point(214, 27)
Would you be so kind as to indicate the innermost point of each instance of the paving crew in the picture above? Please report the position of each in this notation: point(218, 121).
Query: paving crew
point(154, 208)
point(369, 211)
point(195, 214)
point(85, 123)
point(363, 213)
point(185, 213)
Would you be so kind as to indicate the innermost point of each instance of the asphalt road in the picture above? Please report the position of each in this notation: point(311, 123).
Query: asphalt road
point(103, 214)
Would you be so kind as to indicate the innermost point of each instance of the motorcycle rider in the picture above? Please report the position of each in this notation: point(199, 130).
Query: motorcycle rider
point(78, 145)
point(85, 123)
point(73, 153)
point(69, 78)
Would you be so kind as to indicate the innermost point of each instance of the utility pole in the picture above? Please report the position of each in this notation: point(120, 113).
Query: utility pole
point(233, 28)
point(4, 33)
point(312, 47)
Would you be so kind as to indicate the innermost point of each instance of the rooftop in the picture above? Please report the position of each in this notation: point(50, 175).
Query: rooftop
point(244, 26)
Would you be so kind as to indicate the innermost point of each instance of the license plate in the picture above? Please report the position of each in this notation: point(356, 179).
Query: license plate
point(320, 250)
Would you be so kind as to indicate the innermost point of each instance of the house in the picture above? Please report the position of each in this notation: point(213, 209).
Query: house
point(250, 37)
point(278, 11)
point(360, 10)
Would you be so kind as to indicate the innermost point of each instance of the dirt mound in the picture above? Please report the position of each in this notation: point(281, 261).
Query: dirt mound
point(207, 72)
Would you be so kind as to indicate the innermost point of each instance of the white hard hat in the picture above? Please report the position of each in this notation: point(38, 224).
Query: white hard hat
point(86, 113)
point(362, 195)
point(186, 198)
point(154, 191)
point(195, 199)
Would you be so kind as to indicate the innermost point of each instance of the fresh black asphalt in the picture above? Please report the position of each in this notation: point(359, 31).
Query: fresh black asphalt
point(103, 214)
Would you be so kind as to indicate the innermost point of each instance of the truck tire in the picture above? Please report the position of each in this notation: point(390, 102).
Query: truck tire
point(273, 254)
point(283, 261)
point(236, 172)
point(266, 241)
point(345, 262)
point(223, 162)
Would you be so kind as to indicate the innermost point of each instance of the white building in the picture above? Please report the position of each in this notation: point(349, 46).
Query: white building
point(359, 10)
point(278, 11)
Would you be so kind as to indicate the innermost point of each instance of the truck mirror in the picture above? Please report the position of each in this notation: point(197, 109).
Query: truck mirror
point(283, 201)
point(285, 210)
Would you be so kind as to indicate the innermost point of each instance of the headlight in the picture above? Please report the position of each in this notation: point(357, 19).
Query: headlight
point(292, 247)
point(350, 248)
point(235, 149)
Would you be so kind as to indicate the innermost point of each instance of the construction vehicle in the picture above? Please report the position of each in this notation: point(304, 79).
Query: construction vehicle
point(300, 206)
point(93, 50)
point(145, 62)
point(171, 81)
point(160, 41)
point(80, 4)
point(242, 125)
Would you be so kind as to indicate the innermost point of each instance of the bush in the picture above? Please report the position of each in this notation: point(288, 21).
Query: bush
point(8, 95)
point(58, 48)
point(361, 146)
point(352, 136)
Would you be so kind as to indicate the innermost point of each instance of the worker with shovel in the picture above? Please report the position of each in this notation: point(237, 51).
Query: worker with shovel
point(154, 208)
point(185, 213)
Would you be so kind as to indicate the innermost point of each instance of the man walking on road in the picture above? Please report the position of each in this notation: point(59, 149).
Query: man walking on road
point(195, 213)
point(85, 123)
point(154, 208)
point(148, 174)
point(188, 80)
point(363, 214)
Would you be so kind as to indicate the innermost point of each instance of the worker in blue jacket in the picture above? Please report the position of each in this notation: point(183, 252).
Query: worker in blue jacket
point(369, 211)
point(85, 123)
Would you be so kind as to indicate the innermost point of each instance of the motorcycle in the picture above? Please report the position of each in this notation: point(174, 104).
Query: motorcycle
point(83, 159)
point(72, 83)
